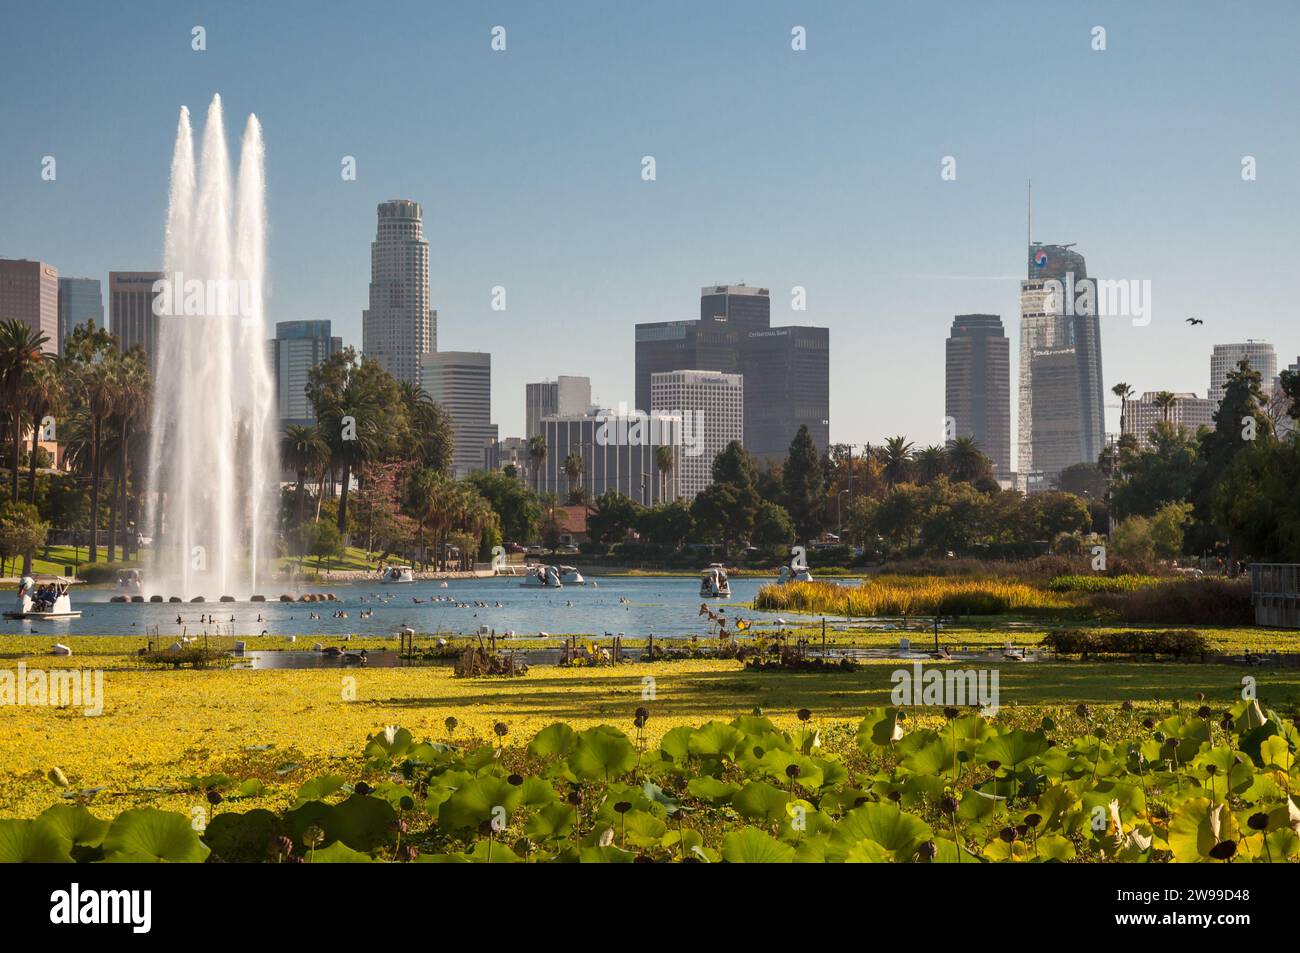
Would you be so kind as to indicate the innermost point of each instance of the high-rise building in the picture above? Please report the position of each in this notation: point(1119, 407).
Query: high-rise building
point(399, 327)
point(1226, 357)
point(786, 370)
point(711, 406)
point(29, 292)
point(297, 347)
point(130, 310)
point(1061, 401)
point(80, 300)
point(618, 452)
point(460, 382)
point(508, 452)
point(563, 397)
point(977, 392)
point(1186, 410)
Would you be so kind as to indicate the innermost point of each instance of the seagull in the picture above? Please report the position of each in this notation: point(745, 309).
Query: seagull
point(1195, 321)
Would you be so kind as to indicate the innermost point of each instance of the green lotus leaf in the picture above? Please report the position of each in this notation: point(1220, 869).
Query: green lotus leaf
point(1053, 847)
point(74, 824)
point(552, 821)
point(712, 790)
point(553, 741)
point(1275, 752)
point(1056, 804)
point(392, 742)
point(252, 787)
point(242, 838)
point(1013, 748)
point(1196, 827)
point(27, 842)
point(537, 792)
point(338, 853)
point(455, 857)
point(760, 801)
point(749, 845)
point(976, 805)
point(317, 789)
point(938, 757)
point(715, 740)
point(148, 835)
point(879, 729)
point(642, 829)
point(487, 852)
point(867, 852)
point(477, 801)
point(363, 823)
point(896, 831)
point(602, 753)
point(812, 850)
point(676, 743)
point(834, 773)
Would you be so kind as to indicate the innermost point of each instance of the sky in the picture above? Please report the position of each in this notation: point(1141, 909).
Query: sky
point(818, 168)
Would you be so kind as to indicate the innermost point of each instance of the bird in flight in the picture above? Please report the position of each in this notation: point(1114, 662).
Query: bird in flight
point(1195, 321)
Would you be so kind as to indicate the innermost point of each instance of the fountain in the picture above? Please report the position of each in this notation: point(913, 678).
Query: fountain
point(213, 464)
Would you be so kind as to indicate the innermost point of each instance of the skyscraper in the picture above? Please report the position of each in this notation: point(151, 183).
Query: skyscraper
point(564, 397)
point(130, 310)
point(1061, 389)
point(977, 398)
point(786, 370)
point(1226, 357)
point(29, 292)
point(80, 300)
point(461, 383)
point(297, 347)
point(711, 406)
point(399, 327)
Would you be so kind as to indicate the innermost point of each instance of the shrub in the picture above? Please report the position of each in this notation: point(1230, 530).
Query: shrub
point(1175, 642)
point(902, 596)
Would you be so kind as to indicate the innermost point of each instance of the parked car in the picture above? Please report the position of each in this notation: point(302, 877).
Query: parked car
point(514, 548)
point(568, 550)
point(536, 550)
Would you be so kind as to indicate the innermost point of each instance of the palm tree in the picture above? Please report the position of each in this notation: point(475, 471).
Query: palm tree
point(424, 492)
point(1124, 393)
point(305, 452)
point(132, 383)
point(44, 397)
point(931, 463)
point(20, 352)
point(536, 458)
point(665, 462)
point(1166, 402)
point(966, 461)
point(574, 466)
point(897, 454)
point(430, 427)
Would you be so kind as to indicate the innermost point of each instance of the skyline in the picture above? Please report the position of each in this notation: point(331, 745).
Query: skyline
point(525, 189)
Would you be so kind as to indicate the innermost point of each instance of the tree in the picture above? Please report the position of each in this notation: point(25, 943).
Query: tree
point(21, 350)
point(1165, 472)
point(517, 507)
point(773, 526)
point(1083, 479)
point(1124, 392)
point(536, 458)
point(665, 463)
point(1256, 503)
point(1132, 539)
point(425, 490)
point(574, 466)
point(735, 466)
point(91, 353)
point(724, 512)
point(930, 464)
point(1165, 402)
point(21, 531)
point(612, 518)
point(430, 438)
point(897, 458)
point(802, 485)
point(1056, 513)
point(304, 451)
point(1167, 529)
point(45, 396)
point(966, 462)
point(668, 525)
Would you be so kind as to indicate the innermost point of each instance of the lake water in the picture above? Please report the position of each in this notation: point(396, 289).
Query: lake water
point(656, 605)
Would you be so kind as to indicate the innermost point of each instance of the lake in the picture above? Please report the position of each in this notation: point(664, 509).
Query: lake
point(662, 606)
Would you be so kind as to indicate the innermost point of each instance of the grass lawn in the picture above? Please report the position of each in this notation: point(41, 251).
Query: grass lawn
point(287, 726)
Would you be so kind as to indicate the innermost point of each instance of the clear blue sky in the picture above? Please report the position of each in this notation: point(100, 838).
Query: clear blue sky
point(817, 168)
